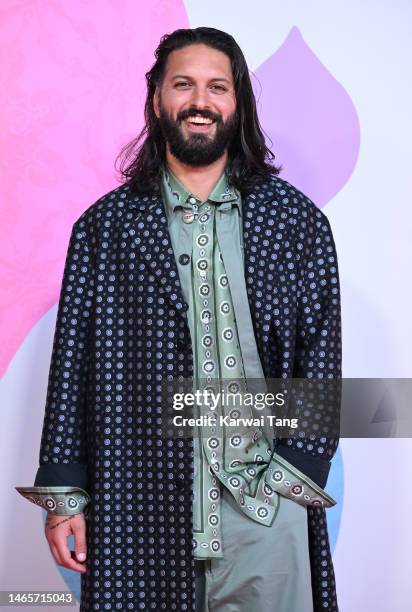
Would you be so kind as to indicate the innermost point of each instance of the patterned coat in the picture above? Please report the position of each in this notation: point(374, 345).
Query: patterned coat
point(121, 329)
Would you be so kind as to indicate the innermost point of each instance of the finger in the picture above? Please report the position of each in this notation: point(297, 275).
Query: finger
point(55, 553)
point(65, 556)
point(70, 563)
point(50, 537)
point(80, 546)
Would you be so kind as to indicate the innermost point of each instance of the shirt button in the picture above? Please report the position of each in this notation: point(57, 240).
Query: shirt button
point(184, 259)
point(192, 200)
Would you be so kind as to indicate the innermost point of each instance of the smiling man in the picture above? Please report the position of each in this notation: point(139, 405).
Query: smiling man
point(197, 112)
point(206, 266)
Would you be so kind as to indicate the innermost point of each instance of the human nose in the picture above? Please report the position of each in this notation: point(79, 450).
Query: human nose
point(200, 97)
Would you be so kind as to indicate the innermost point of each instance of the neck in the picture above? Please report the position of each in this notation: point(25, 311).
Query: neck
point(199, 179)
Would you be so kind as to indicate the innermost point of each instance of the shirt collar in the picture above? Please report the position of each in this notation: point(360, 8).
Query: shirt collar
point(178, 195)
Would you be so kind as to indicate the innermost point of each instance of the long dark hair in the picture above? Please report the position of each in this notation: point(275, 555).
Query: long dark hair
point(249, 157)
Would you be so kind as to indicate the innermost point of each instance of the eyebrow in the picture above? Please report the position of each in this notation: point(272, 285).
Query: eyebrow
point(184, 76)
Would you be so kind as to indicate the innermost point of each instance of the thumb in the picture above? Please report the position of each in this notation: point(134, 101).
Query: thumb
point(80, 547)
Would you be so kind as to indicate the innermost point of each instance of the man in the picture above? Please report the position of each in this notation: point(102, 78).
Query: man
point(204, 264)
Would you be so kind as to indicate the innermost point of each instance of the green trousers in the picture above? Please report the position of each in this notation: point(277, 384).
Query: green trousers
point(265, 569)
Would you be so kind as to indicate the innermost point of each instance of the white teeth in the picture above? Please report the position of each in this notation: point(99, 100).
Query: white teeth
point(200, 120)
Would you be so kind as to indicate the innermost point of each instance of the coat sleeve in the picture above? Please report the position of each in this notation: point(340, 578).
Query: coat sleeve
point(317, 357)
point(63, 448)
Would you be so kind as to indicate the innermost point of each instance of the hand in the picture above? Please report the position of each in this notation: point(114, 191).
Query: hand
point(57, 530)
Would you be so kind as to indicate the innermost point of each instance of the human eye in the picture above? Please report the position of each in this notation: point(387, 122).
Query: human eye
point(179, 83)
point(220, 88)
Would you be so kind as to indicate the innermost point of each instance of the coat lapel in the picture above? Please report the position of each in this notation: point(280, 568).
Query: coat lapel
point(150, 238)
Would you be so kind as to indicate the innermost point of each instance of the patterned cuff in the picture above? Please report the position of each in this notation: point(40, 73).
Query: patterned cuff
point(287, 480)
point(314, 467)
point(57, 500)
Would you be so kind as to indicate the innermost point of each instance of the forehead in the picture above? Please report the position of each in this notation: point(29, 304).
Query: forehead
point(198, 61)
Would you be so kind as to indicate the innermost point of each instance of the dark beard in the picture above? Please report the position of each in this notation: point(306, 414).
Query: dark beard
point(197, 149)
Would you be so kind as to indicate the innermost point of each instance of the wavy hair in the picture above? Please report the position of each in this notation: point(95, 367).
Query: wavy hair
point(248, 156)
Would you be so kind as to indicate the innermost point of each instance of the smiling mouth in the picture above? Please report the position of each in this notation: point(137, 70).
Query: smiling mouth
point(199, 119)
point(198, 123)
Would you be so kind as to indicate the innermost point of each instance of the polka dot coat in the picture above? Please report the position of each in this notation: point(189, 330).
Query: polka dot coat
point(122, 329)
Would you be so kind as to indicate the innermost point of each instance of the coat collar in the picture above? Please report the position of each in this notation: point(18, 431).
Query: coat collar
point(264, 189)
